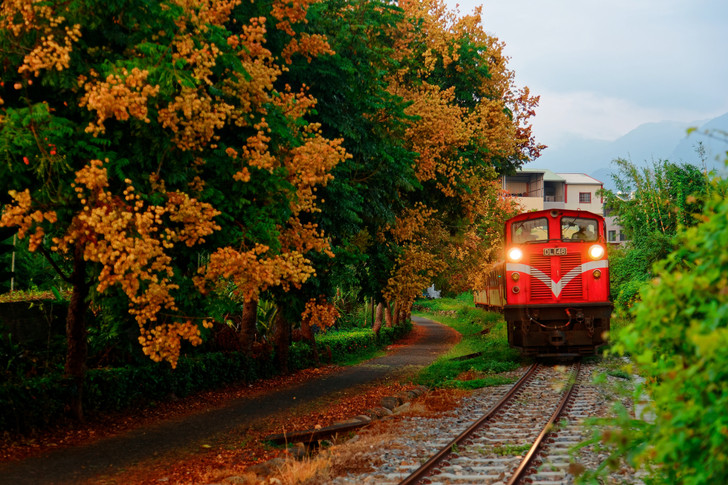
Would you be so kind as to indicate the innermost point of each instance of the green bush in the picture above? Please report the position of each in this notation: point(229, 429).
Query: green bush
point(35, 403)
point(355, 342)
point(300, 356)
point(679, 342)
point(483, 347)
point(39, 402)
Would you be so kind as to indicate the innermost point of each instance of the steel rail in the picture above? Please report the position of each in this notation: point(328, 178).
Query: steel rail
point(430, 464)
point(521, 470)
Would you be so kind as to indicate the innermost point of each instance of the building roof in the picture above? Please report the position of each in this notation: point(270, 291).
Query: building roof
point(548, 175)
point(579, 179)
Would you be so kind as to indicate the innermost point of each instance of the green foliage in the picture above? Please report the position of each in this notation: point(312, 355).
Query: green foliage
point(482, 350)
point(679, 343)
point(38, 402)
point(478, 383)
point(651, 204)
point(348, 345)
point(7, 248)
point(353, 103)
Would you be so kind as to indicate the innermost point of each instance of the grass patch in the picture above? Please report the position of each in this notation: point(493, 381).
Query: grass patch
point(483, 336)
point(511, 450)
point(478, 383)
point(361, 357)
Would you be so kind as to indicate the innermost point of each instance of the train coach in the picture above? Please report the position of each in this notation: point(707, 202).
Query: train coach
point(553, 283)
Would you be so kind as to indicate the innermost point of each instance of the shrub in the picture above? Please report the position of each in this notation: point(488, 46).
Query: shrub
point(39, 402)
point(679, 341)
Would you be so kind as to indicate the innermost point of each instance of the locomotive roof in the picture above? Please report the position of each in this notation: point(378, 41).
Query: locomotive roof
point(561, 212)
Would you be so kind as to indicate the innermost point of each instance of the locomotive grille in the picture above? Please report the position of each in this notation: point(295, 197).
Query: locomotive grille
point(539, 291)
point(574, 288)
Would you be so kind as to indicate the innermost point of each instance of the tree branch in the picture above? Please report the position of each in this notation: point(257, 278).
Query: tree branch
point(47, 255)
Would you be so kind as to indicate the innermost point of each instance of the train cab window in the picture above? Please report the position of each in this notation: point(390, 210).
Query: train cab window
point(532, 230)
point(579, 229)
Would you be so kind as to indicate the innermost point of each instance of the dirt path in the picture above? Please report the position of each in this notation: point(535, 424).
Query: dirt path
point(173, 438)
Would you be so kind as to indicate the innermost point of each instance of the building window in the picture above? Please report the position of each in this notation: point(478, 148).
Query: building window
point(621, 236)
point(612, 236)
point(585, 197)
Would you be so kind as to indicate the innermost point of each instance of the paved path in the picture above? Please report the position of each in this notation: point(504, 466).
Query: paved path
point(104, 457)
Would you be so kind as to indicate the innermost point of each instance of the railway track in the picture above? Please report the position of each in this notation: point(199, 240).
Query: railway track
point(510, 440)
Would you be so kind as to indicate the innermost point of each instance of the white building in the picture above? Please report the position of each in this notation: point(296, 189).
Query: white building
point(581, 192)
point(538, 189)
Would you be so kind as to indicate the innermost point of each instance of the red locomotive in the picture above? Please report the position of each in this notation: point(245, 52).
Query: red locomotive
point(553, 287)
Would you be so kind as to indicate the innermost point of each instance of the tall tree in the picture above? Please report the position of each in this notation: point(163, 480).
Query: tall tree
point(470, 124)
point(134, 131)
point(651, 203)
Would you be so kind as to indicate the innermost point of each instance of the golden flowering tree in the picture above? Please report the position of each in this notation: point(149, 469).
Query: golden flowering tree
point(141, 139)
point(470, 124)
point(428, 109)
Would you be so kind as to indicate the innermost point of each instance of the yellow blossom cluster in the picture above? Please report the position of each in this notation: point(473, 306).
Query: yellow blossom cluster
point(410, 226)
point(440, 130)
point(195, 219)
point(194, 118)
point(310, 166)
point(20, 214)
point(53, 40)
point(119, 96)
point(201, 56)
point(414, 271)
point(437, 25)
point(197, 185)
point(51, 53)
point(129, 239)
point(252, 271)
point(303, 238)
point(21, 16)
point(309, 46)
point(253, 90)
point(163, 342)
point(208, 12)
point(289, 12)
point(295, 105)
point(255, 152)
point(320, 314)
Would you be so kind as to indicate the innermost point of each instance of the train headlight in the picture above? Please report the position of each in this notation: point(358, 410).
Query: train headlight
point(515, 255)
point(515, 276)
point(596, 251)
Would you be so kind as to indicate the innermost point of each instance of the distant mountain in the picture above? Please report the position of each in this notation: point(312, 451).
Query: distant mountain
point(643, 145)
point(715, 148)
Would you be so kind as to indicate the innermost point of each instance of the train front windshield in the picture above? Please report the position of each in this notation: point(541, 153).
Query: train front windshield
point(579, 229)
point(532, 230)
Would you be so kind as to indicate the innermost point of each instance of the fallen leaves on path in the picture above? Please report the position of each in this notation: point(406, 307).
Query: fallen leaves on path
point(110, 424)
point(239, 450)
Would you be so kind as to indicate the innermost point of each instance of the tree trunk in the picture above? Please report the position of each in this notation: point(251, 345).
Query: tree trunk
point(372, 305)
point(281, 341)
point(248, 332)
point(387, 315)
point(378, 319)
point(396, 313)
point(77, 345)
point(308, 336)
point(406, 313)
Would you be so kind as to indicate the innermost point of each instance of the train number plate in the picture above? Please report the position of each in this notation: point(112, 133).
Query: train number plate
point(554, 252)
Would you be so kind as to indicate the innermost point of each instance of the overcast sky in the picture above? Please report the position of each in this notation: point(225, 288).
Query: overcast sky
point(603, 67)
